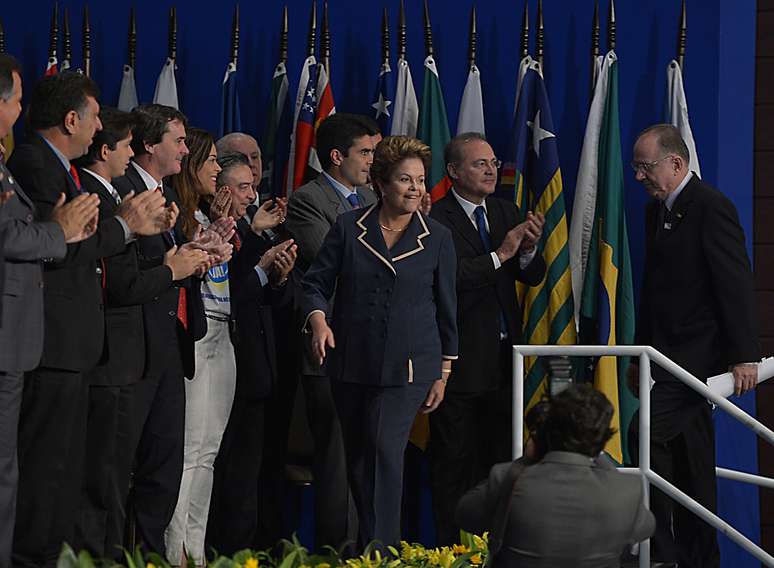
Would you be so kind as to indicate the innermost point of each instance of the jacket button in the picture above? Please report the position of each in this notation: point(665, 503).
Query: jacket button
point(171, 314)
point(29, 218)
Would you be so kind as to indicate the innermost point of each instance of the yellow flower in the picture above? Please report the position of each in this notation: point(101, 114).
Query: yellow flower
point(150, 565)
point(475, 559)
point(323, 565)
point(251, 563)
point(460, 549)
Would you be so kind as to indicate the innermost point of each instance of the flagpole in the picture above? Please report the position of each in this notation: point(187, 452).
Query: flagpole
point(53, 35)
point(428, 33)
point(385, 38)
point(67, 45)
point(235, 37)
point(172, 49)
point(473, 37)
point(2, 37)
point(402, 32)
point(283, 45)
point(540, 32)
point(325, 41)
point(132, 58)
point(594, 50)
point(312, 37)
point(682, 35)
point(524, 51)
point(611, 26)
point(86, 41)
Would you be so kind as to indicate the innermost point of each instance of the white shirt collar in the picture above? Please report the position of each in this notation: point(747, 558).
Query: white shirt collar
point(672, 197)
point(150, 181)
point(109, 186)
point(468, 206)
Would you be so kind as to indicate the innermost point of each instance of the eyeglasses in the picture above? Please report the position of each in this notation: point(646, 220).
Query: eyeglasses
point(645, 167)
point(483, 164)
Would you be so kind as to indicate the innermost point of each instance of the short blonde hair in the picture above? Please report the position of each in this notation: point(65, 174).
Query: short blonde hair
point(392, 151)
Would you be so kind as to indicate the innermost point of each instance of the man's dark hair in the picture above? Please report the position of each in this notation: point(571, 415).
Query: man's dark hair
point(669, 140)
point(228, 162)
point(579, 421)
point(452, 153)
point(151, 122)
point(338, 132)
point(8, 65)
point(370, 124)
point(116, 126)
point(55, 96)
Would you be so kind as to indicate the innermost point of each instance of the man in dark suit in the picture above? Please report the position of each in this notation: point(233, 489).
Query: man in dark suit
point(24, 244)
point(63, 117)
point(561, 511)
point(345, 150)
point(493, 252)
point(697, 307)
point(111, 384)
point(173, 320)
point(258, 275)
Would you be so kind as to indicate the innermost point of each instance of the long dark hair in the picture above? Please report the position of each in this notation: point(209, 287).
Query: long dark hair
point(186, 182)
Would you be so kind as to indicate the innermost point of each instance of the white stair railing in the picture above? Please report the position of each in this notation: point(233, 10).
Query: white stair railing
point(647, 355)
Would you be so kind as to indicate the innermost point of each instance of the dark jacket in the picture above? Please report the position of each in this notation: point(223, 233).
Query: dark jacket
point(483, 293)
point(394, 317)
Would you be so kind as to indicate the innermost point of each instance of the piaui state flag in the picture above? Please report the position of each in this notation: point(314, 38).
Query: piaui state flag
point(325, 108)
point(471, 115)
point(677, 112)
point(533, 159)
point(303, 125)
point(601, 244)
point(382, 104)
point(406, 115)
point(230, 118)
point(433, 130)
point(127, 96)
point(276, 138)
point(166, 85)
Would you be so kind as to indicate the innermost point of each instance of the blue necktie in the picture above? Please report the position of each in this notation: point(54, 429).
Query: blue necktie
point(353, 200)
point(480, 213)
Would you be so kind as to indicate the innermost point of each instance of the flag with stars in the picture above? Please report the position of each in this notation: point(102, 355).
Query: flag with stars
point(601, 266)
point(303, 125)
point(325, 108)
point(532, 166)
point(382, 111)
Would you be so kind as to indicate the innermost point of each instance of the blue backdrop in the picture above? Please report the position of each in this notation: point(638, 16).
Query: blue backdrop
point(719, 78)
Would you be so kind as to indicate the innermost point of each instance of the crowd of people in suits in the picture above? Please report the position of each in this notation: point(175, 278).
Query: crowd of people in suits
point(157, 320)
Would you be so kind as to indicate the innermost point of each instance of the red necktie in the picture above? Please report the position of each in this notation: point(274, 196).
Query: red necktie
point(182, 308)
point(237, 242)
point(76, 178)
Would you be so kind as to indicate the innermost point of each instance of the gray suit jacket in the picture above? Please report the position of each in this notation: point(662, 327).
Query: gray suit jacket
point(312, 211)
point(568, 511)
point(25, 243)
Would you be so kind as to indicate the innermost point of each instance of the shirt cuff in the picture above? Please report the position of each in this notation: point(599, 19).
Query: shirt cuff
point(261, 275)
point(496, 260)
point(128, 236)
point(526, 257)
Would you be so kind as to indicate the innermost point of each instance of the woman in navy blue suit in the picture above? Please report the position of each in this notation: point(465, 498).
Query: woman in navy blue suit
point(393, 330)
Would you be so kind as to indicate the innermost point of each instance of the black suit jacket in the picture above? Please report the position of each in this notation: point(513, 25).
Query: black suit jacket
point(127, 288)
point(484, 293)
point(160, 313)
point(697, 304)
point(74, 320)
point(251, 309)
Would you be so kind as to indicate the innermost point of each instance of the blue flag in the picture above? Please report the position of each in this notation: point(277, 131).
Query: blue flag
point(382, 105)
point(230, 120)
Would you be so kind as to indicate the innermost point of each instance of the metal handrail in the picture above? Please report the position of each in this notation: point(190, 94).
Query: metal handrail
point(647, 353)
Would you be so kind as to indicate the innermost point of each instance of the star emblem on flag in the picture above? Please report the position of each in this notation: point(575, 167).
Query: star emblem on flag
point(381, 106)
point(538, 134)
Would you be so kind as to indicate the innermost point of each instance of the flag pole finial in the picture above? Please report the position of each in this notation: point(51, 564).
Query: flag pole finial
point(385, 38)
point(682, 35)
point(86, 41)
point(525, 32)
point(325, 40)
point(235, 36)
point(594, 49)
point(428, 32)
point(312, 37)
point(2, 37)
point(172, 33)
point(402, 32)
point(67, 46)
point(540, 32)
point(611, 26)
point(132, 38)
point(283, 46)
point(473, 37)
point(54, 32)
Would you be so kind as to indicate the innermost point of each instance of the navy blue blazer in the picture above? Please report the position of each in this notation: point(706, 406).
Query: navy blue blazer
point(395, 314)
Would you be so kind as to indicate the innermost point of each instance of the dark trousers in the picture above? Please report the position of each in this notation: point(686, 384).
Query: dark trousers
point(11, 385)
point(52, 434)
point(683, 453)
point(469, 433)
point(335, 519)
point(233, 519)
point(376, 422)
point(159, 406)
point(107, 470)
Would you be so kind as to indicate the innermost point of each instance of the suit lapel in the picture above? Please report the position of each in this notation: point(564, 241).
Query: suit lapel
point(371, 236)
point(461, 222)
point(410, 242)
point(55, 165)
point(681, 206)
point(335, 200)
point(9, 184)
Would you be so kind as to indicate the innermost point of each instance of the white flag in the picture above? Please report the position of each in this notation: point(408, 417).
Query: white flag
point(127, 96)
point(166, 86)
point(677, 112)
point(471, 116)
point(585, 203)
point(523, 68)
point(406, 109)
